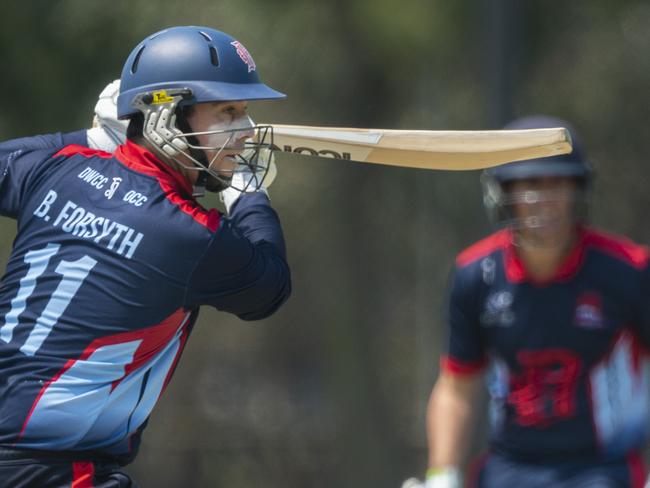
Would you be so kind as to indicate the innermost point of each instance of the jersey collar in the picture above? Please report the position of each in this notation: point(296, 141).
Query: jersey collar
point(516, 270)
point(144, 161)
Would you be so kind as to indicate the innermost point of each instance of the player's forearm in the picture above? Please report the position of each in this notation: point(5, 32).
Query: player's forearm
point(450, 420)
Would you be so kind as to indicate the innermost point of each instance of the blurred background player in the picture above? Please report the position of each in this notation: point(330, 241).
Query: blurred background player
point(114, 256)
point(558, 314)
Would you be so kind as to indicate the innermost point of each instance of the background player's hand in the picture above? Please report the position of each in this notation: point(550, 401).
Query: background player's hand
point(412, 483)
point(444, 478)
point(107, 132)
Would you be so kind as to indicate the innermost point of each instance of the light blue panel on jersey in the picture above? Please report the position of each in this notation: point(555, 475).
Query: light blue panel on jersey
point(69, 407)
point(129, 405)
point(85, 408)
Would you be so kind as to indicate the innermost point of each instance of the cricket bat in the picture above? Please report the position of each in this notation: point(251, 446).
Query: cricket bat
point(426, 149)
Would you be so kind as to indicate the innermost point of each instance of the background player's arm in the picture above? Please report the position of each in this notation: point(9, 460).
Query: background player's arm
point(454, 401)
point(451, 415)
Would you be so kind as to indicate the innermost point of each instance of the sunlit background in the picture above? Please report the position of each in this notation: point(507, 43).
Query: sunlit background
point(331, 391)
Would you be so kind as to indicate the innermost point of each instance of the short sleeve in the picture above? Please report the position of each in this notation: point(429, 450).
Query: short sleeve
point(465, 348)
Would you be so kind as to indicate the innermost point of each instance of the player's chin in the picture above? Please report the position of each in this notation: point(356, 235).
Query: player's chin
point(224, 165)
point(549, 236)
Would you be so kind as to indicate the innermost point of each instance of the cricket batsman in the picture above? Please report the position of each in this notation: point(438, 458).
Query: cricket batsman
point(114, 255)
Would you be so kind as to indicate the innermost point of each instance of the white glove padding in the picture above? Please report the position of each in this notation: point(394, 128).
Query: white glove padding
point(412, 483)
point(448, 477)
point(247, 182)
point(108, 132)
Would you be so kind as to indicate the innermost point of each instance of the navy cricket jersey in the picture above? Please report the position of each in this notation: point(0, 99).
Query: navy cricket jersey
point(111, 261)
point(569, 371)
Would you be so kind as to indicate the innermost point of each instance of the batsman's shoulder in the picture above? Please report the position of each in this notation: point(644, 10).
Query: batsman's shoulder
point(474, 253)
point(42, 142)
point(40, 145)
point(619, 247)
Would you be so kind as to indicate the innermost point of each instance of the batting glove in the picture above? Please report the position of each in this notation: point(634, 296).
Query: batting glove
point(247, 182)
point(107, 132)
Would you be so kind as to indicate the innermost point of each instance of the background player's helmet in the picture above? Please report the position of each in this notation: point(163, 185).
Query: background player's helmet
point(182, 66)
point(496, 197)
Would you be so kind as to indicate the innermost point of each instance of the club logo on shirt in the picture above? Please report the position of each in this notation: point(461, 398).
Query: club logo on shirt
point(488, 268)
point(114, 186)
point(589, 311)
point(498, 310)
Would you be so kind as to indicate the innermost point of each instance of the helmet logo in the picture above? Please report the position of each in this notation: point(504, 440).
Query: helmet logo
point(161, 96)
point(244, 55)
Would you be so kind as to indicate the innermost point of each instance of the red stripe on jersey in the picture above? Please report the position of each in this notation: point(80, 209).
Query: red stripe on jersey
point(154, 339)
point(181, 347)
point(618, 247)
point(638, 470)
point(74, 149)
point(501, 240)
point(175, 186)
point(82, 474)
point(207, 218)
point(456, 367)
point(516, 270)
point(484, 247)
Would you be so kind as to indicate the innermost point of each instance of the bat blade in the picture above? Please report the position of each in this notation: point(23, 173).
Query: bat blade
point(426, 149)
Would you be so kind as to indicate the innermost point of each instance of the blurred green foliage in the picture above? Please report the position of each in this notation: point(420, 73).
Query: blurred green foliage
point(331, 391)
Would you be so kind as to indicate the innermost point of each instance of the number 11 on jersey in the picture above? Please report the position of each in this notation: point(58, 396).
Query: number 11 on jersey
point(73, 275)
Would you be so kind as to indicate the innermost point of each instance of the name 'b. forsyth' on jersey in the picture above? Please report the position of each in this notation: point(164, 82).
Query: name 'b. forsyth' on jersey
point(76, 220)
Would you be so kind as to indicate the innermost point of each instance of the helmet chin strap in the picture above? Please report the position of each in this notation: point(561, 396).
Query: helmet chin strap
point(203, 181)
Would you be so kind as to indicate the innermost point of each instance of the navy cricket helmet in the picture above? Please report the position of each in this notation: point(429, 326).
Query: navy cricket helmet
point(214, 66)
point(179, 67)
point(573, 165)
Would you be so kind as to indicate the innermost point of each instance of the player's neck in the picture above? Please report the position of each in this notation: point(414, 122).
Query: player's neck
point(543, 263)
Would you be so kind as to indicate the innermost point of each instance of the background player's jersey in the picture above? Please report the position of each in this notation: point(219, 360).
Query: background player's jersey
point(111, 261)
point(569, 373)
